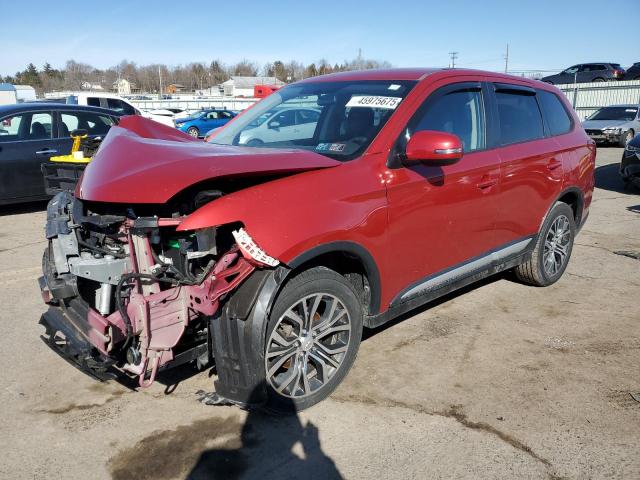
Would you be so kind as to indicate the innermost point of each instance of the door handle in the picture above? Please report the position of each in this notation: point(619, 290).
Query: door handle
point(553, 164)
point(486, 182)
point(46, 151)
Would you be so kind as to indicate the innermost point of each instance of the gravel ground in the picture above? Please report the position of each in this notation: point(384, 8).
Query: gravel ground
point(498, 381)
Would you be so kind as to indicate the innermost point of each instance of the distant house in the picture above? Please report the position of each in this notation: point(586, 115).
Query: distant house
point(123, 86)
point(175, 88)
point(245, 86)
point(96, 87)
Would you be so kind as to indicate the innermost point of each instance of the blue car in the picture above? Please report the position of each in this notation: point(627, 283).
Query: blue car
point(198, 124)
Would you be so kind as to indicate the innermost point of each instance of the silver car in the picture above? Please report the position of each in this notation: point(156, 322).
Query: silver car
point(613, 124)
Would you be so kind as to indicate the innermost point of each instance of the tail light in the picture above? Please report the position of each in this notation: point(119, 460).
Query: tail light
point(618, 73)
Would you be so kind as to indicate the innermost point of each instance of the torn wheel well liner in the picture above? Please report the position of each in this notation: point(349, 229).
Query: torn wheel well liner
point(239, 343)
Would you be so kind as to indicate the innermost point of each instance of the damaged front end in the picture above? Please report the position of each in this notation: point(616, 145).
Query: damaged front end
point(129, 293)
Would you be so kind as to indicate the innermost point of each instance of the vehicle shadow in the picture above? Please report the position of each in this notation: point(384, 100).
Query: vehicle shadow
point(17, 209)
point(271, 447)
point(608, 178)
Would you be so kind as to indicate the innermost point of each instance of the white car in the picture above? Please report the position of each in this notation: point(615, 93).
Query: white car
point(167, 116)
point(107, 100)
point(282, 126)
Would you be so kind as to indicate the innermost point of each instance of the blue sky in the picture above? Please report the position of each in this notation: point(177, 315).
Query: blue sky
point(542, 35)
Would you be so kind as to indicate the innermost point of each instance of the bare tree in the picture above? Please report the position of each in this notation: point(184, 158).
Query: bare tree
point(193, 76)
point(245, 68)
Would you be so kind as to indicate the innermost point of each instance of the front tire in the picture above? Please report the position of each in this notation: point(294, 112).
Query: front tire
point(626, 138)
point(194, 132)
point(553, 248)
point(313, 337)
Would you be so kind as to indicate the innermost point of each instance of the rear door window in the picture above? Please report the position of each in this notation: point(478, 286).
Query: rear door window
point(93, 123)
point(93, 101)
point(120, 106)
point(307, 116)
point(555, 115)
point(41, 126)
point(519, 116)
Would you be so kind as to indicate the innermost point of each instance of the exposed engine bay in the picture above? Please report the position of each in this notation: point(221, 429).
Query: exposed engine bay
point(127, 291)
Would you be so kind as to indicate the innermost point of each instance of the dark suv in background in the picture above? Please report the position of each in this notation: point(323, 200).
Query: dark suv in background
point(633, 72)
point(586, 73)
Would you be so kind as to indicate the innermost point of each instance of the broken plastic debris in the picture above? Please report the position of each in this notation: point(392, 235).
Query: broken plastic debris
point(248, 246)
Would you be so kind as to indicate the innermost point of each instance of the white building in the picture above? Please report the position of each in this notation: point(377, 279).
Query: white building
point(243, 86)
point(10, 94)
point(123, 86)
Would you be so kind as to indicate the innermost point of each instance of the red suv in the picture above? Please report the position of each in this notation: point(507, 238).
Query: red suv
point(270, 258)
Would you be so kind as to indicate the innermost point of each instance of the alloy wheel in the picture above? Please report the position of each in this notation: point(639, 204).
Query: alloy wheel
point(308, 345)
point(556, 245)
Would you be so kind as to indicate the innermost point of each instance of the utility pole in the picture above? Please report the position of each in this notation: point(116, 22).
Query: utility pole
point(453, 56)
point(359, 59)
point(506, 60)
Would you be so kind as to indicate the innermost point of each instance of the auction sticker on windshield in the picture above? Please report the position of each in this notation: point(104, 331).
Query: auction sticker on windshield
point(374, 101)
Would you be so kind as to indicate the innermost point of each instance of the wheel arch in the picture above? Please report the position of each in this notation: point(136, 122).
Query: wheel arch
point(351, 260)
point(574, 197)
point(239, 334)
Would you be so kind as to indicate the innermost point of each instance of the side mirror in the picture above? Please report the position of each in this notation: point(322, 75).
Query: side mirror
point(433, 147)
point(274, 125)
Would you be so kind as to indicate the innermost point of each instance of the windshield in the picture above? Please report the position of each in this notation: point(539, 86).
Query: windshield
point(336, 119)
point(615, 113)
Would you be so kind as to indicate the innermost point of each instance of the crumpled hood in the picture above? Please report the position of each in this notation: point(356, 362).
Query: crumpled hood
point(142, 161)
point(600, 124)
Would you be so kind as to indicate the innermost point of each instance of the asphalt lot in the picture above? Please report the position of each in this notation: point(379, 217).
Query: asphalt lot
point(499, 381)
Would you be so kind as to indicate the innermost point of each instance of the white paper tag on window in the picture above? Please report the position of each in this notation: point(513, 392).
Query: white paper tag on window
point(374, 101)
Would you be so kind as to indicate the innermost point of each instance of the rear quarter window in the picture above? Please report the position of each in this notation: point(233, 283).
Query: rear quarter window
point(555, 115)
point(519, 115)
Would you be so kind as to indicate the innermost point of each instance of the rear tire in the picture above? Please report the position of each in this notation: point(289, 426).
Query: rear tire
point(254, 142)
point(553, 248)
point(313, 337)
point(598, 80)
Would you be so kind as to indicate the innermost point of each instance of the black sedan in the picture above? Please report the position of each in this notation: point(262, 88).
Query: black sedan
point(31, 133)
